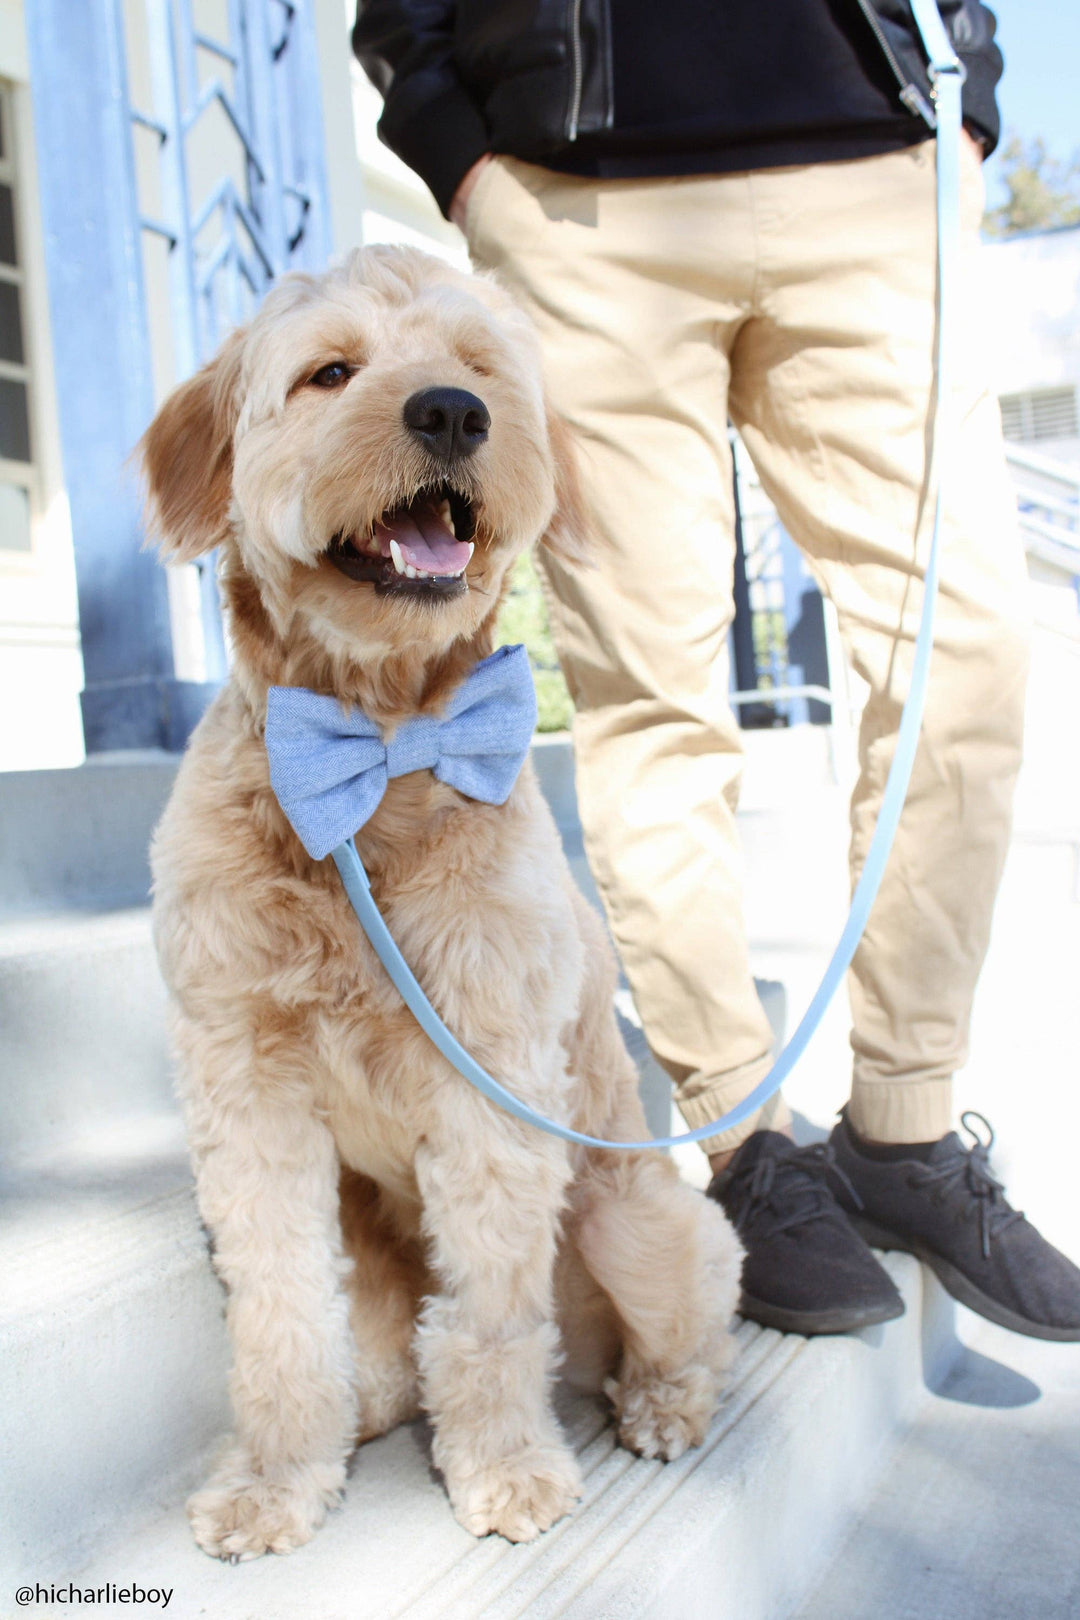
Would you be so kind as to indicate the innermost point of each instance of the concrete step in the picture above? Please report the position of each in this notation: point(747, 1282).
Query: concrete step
point(112, 1344)
point(78, 838)
point(82, 1026)
point(740, 1528)
point(112, 1353)
point(82, 1029)
point(976, 1516)
point(82, 1006)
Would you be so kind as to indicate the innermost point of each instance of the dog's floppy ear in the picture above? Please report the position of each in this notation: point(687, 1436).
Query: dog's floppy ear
point(569, 534)
point(186, 455)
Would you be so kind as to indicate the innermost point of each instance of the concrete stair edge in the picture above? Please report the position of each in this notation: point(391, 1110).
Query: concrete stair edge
point(78, 838)
point(112, 1350)
point(113, 1390)
point(82, 1029)
point(791, 1478)
point(797, 1450)
point(741, 1528)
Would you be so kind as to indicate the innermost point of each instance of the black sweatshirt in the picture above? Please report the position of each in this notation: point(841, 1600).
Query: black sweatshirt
point(748, 84)
point(661, 86)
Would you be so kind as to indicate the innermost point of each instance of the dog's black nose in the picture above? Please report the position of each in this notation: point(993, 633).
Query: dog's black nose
point(448, 421)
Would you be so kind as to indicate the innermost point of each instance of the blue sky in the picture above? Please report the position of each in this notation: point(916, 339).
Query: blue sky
point(1040, 92)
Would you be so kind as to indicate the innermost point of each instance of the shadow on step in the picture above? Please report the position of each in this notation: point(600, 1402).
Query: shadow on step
point(953, 1371)
point(976, 1380)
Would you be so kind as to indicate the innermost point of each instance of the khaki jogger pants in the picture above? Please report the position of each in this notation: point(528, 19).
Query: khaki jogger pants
point(799, 301)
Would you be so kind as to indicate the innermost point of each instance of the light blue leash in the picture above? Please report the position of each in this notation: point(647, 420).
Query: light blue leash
point(947, 76)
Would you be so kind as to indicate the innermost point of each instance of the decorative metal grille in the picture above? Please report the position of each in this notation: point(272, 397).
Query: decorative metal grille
point(254, 87)
point(236, 191)
point(17, 473)
point(179, 150)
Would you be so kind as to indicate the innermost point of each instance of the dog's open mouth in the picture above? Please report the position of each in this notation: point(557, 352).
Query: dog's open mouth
point(421, 549)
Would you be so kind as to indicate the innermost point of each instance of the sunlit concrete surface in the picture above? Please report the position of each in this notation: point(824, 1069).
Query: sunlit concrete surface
point(112, 1363)
point(975, 1517)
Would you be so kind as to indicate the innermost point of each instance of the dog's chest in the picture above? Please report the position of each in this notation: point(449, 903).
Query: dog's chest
point(498, 954)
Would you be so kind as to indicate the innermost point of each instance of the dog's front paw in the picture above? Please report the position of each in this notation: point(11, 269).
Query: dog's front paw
point(520, 1497)
point(663, 1417)
point(240, 1514)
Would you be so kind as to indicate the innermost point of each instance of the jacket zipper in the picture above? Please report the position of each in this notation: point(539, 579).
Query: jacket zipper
point(574, 112)
point(910, 94)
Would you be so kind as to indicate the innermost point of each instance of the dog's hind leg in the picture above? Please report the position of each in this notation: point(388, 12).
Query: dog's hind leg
point(493, 1192)
point(669, 1261)
point(667, 1258)
point(386, 1281)
point(589, 1326)
point(267, 1182)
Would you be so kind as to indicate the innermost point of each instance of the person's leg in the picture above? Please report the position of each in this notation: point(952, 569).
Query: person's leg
point(638, 290)
point(831, 389)
point(627, 284)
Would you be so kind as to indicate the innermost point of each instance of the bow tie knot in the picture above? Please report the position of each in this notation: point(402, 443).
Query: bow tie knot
point(329, 767)
point(414, 746)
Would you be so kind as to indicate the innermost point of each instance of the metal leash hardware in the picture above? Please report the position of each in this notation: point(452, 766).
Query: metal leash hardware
point(947, 76)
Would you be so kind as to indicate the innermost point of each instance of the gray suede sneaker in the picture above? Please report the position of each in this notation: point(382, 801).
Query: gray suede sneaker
point(806, 1269)
point(941, 1202)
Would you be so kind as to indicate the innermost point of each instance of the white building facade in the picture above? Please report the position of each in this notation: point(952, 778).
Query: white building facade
point(41, 664)
point(1033, 294)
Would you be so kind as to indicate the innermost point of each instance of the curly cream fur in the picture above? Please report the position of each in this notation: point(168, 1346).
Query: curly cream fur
point(388, 1239)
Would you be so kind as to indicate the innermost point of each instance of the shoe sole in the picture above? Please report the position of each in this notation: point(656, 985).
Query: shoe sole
point(809, 1324)
point(960, 1287)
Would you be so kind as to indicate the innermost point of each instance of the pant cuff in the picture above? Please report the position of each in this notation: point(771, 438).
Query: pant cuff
point(901, 1110)
point(712, 1096)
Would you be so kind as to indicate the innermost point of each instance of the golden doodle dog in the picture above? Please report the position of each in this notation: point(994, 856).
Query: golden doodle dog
point(390, 1241)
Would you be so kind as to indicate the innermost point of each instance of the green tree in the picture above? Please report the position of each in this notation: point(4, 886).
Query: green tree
point(523, 618)
point(1040, 192)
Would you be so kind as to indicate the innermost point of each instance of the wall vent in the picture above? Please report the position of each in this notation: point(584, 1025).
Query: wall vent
point(1044, 413)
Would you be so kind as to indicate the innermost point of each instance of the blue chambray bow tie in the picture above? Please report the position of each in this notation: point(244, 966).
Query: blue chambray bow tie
point(329, 768)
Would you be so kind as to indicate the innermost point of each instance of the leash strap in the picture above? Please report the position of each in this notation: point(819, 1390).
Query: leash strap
point(947, 76)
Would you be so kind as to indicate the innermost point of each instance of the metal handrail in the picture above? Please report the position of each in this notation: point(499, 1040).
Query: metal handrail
point(1048, 466)
point(1048, 502)
point(1063, 545)
point(780, 694)
point(1048, 495)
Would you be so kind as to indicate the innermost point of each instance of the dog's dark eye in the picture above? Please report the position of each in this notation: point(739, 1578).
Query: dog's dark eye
point(331, 376)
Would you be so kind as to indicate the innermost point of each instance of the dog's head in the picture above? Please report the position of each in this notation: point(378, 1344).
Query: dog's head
point(371, 453)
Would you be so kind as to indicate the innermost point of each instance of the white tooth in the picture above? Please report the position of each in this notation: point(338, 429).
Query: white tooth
point(399, 562)
point(472, 548)
point(410, 571)
point(444, 511)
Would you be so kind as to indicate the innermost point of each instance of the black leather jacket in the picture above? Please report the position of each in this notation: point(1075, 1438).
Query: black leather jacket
point(465, 77)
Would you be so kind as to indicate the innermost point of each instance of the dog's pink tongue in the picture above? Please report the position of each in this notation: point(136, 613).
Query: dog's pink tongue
point(427, 543)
